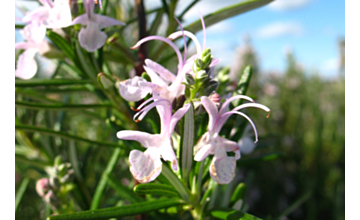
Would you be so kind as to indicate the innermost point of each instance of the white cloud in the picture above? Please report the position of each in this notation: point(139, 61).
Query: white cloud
point(279, 29)
point(284, 5)
point(331, 65)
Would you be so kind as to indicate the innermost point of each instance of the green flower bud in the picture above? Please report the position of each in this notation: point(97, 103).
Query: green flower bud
point(206, 61)
point(205, 53)
point(189, 79)
point(58, 160)
point(54, 182)
point(201, 75)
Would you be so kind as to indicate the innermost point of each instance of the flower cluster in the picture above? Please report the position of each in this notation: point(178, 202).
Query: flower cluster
point(193, 79)
point(57, 14)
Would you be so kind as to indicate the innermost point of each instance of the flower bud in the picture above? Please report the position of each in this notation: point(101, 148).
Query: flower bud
point(189, 79)
point(206, 61)
point(58, 160)
point(54, 182)
point(201, 75)
point(205, 53)
point(215, 98)
point(42, 186)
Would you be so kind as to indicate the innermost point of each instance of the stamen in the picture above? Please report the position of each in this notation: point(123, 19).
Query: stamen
point(256, 105)
point(177, 51)
point(268, 115)
point(135, 110)
point(245, 116)
point(182, 30)
point(224, 107)
point(137, 120)
point(189, 35)
point(141, 114)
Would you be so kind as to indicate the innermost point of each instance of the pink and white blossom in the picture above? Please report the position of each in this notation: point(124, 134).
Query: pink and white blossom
point(146, 166)
point(34, 34)
point(222, 167)
point(91, 37)
point(159, 75)
point(53, 14)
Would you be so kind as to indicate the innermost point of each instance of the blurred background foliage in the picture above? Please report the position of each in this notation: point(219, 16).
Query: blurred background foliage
point(306, 127)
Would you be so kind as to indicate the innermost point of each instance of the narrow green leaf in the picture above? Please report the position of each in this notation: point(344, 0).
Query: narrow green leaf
point(156, 189)
point(50, 82)
point(117, 212)
point(123, 191)
point(59, 106)
point(230, 214)
point(21, 192)
point(64, 135)
point(225, 13)
point(175, 182)
point(102, 182)
point(62, 44)
point(238, 192)
point(187, 143)
point(244, 81)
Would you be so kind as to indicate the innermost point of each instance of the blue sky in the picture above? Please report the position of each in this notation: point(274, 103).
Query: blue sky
point(310, 28)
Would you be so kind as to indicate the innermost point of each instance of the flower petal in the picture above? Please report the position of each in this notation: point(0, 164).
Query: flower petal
point(155, 78)
point(26, 65)
point(230, 146)
point(59, 15)
point(203, 148)
point(162, 71)
point(38, 14)
point(222, 168)
point(133, 90)
point(168, 154)
point(91, 38)
point(105, 21)
point(145, 139)
point(145, 166)
point(82, 19)
point(34, 32)
point(211, 108)
point(177, 116)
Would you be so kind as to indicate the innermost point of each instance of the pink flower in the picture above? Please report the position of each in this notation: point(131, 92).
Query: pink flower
point(55, 14)
point(91, 37)
point(146, 166)
point(34, 34)
point(222, 167)
point(160, 77)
